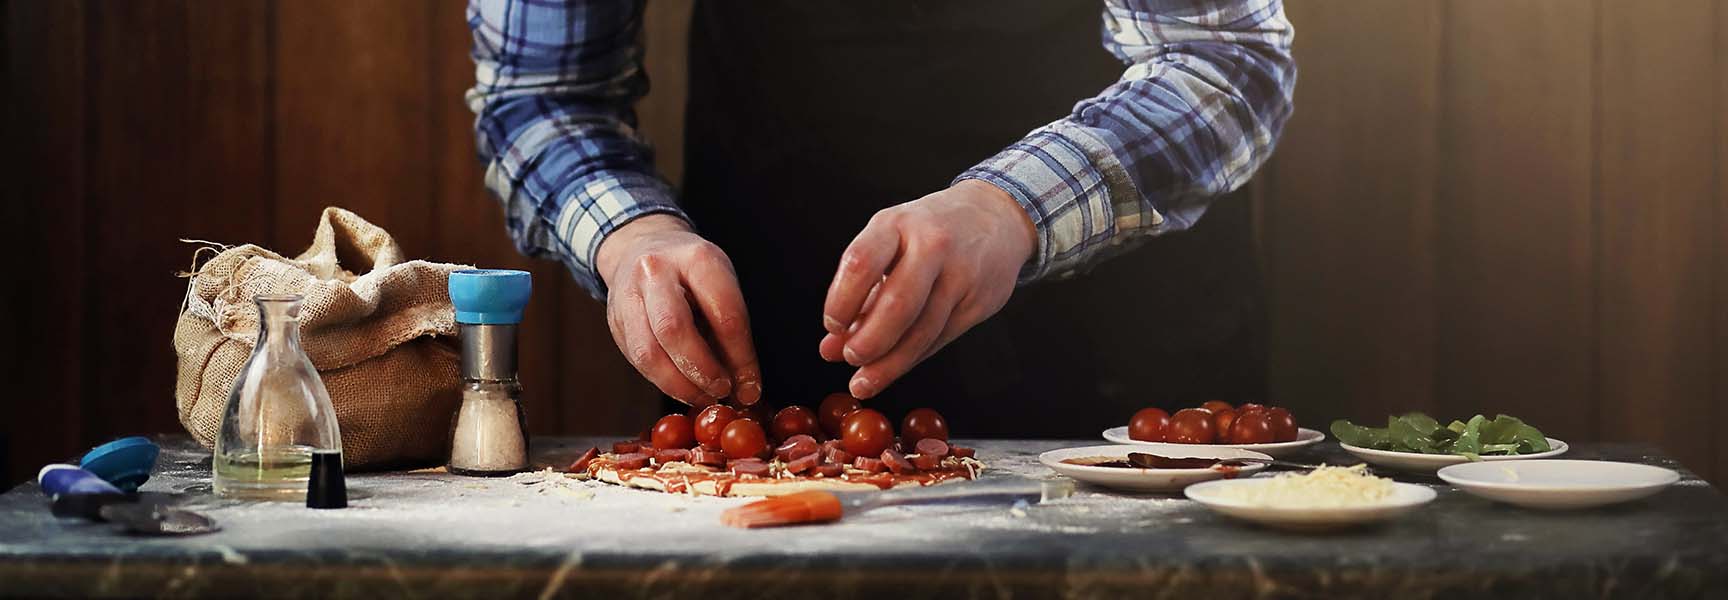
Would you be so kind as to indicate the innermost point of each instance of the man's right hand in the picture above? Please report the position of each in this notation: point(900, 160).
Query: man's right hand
point(659, 274)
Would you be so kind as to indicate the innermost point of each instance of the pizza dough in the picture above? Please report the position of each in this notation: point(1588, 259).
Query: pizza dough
point(680, 477)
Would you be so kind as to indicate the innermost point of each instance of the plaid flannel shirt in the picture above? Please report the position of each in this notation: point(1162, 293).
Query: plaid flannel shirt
point(1198, 110)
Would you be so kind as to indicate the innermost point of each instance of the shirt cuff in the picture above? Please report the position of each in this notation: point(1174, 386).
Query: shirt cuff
point(597, 207)
point(1051, 176)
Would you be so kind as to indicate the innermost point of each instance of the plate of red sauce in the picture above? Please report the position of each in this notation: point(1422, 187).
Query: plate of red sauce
point(1181, 465)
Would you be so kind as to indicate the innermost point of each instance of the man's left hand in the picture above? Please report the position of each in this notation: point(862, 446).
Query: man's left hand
point(921, 274)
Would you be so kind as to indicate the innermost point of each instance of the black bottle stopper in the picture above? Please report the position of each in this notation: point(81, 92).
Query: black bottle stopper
point(328, 487)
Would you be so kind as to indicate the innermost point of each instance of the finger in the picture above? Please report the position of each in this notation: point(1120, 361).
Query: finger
point(630, 330)
point(833, 344)
point(876, 376)
point(830, 348)
point(900, 301)
point(715, 288)
point(673, 325)
point(861, 268)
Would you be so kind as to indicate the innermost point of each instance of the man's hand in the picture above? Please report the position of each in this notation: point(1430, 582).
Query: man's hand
point(657, 271)
point(921, 274)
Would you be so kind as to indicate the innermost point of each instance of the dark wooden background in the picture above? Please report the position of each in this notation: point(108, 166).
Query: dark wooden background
point(1510, 206)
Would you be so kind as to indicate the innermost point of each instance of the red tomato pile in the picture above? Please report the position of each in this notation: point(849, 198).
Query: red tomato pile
point(839, 433)
point(1214, 422)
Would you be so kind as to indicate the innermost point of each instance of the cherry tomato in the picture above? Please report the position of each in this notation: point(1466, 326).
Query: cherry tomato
point(866, 432)
point(743, 438)
point(1216, 405)
point(1148, 425)
point(673, 431)
point(1249, 407)
point(711, 422)
point(1191, 426)
point(1221, 421)
point(1252, 428)
point(1283, 424)
point(794, 420)
point(922, 424)
point(833, 410)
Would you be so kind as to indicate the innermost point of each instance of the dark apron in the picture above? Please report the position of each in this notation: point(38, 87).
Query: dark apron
point(805, 117)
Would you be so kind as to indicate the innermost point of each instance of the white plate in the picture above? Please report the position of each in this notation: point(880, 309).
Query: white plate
point(1405, 498)
point(1427, 463)
point(1559, 484)
point(1146, 480)
point(1304, 437)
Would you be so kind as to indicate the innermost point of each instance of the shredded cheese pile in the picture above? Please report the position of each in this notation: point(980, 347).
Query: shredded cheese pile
point(1325, 487)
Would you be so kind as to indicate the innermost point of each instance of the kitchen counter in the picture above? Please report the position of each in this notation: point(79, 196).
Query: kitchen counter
point(541, 534)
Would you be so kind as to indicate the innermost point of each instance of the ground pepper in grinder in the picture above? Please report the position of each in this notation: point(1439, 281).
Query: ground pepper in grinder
point(490, 435)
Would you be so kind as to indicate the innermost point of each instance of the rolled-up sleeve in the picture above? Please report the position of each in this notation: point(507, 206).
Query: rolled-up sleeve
point(555, 83)
point(1205, 95)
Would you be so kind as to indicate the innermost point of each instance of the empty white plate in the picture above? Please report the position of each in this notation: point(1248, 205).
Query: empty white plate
point(1212, 494)
point(1559, 484)
point(1147, 480)
point(1304, 437)
point(1418, 462)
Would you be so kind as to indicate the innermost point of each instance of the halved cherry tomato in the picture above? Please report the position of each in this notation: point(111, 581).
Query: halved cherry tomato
point(1252, 428)
point(833, 410)
point(1148, 425)
point(673, 431)
point(1221, 421)
point(1283, 424)
point(866, 432)
point(1191, 426)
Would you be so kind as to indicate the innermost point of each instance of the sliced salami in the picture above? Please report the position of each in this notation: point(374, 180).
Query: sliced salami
point(632, 460)
point(749, 467)
point(581, 463)
point(795, 447)
point(926, 462)
point(671, 455)
point(933, 447)
point(708, 456)
point(897, 463)
point(803, 463)
point(871, 465)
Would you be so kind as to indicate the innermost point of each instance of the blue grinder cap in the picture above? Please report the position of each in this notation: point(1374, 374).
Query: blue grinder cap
point(490, 296)
point(125, 462)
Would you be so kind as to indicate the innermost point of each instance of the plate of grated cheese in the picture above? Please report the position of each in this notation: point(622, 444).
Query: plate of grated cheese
point(1325, 498)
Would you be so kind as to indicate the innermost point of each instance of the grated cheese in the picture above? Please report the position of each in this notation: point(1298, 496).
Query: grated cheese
point(1325, 487)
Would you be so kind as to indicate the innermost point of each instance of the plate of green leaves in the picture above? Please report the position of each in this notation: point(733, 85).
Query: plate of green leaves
point(1417, 442)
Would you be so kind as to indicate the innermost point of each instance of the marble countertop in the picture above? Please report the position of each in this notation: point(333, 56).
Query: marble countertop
point(541, 534)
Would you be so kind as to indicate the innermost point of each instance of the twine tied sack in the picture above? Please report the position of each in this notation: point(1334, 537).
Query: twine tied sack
point(370, 322)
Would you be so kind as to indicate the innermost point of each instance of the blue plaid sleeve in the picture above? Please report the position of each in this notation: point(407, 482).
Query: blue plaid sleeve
point(555, 82)
point(1206, 93)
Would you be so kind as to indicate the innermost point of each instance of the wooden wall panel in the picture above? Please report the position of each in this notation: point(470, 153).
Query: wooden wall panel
point(229, 185)
point(1514, 281)
point(137, 171)
point(1656, 227)
point(1350, 225)
point(45, 131)
point(666, 37)
point(1721, 242)
point(353, 120)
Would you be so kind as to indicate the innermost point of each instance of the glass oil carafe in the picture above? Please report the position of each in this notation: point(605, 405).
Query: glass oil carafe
point(279, 417)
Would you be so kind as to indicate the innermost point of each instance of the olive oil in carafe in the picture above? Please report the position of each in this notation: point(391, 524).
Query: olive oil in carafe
point(275, 474)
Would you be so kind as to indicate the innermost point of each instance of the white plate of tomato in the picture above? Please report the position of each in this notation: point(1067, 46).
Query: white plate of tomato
point(1269, 430)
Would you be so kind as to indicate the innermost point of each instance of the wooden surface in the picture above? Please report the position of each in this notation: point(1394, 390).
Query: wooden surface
point(1515, 206)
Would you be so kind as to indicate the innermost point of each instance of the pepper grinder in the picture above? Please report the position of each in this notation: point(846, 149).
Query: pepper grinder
point(490, 435)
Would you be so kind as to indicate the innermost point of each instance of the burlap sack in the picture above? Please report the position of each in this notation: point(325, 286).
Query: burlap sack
point(373, 336)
